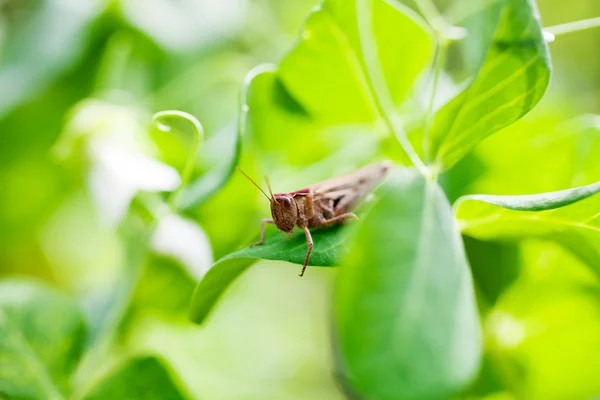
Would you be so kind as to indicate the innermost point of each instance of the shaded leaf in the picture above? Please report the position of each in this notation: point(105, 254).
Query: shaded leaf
point(495, 266)
point(406, 323)
point(329, 246)
point(138, 378)
point(552, 312)
point(575, 226)
point(510, 81)
point(42, 334)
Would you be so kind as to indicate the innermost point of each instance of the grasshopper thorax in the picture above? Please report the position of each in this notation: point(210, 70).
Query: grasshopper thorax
point(284, 212)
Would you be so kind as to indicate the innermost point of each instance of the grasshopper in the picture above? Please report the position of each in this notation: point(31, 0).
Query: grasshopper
point(322, 204)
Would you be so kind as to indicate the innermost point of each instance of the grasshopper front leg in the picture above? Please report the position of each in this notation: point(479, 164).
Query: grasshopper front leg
point(262, 231)
point(323, 222)
point(310, 244)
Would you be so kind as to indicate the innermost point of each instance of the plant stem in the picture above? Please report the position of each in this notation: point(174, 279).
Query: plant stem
point(574, 26)
point(444, 31)
point(438, 67)
point(376, 80)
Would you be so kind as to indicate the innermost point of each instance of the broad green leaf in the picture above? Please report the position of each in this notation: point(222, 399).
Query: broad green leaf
point(329, 246)
point(42, 334)
point(325, 70)
point(510, 81)
point(575, 226)
point(138, 378)
point(322, 80)
point(406, 322)
point(280, 126)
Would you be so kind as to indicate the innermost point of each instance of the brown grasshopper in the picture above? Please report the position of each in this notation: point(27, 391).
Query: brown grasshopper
point(322, 204)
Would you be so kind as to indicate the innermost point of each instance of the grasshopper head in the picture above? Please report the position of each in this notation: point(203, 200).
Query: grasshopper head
point(284, 212)
point(283, 207)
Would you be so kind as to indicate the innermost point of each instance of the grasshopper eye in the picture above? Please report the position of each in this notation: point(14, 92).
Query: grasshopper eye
point(284, 201)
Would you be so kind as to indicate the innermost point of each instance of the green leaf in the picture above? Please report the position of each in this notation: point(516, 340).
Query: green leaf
point(494, 265)
point(329, 246)
point(547, 312)
point(510, 81)
point(536, 202)
point(406, 322)
point(42, 334)
point(576, 225)
point(323, 80)
point(547, 153)
point(138, 378)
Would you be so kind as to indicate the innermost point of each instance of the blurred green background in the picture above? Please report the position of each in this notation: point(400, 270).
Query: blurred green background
point(72, 71)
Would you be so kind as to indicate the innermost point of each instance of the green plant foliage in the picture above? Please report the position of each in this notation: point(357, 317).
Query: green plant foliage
point(143, 377)
point(110, 225)
point(495, 266)
point(548, 152)
point(553, 306)
point(323, 78)
point(50, 42)
point(535, 202)
point(417, 335)
point(510, 81)
point(575, 225)
point(329, 247)
point(44, 338)
point(43, 334)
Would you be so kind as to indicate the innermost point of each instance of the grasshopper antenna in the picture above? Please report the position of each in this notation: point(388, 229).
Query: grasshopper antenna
point(255, 184)
point(269, 185)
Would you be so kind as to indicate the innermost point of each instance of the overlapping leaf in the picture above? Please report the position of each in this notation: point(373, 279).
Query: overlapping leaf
point(322, 80)
point(575, 225)
point(406, 323)
point(507, 84)
point(329, 246)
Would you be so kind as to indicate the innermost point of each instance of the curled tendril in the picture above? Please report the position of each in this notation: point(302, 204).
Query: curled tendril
point(159, 121)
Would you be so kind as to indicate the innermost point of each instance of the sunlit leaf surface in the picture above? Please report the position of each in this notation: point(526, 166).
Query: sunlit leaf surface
point(507, 84)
